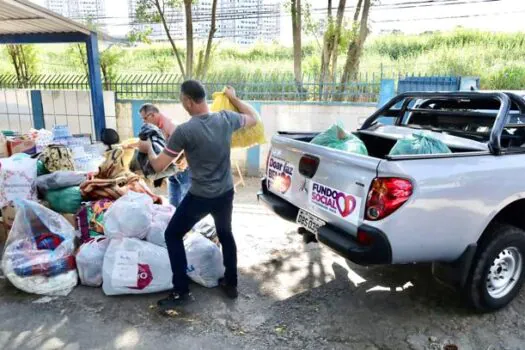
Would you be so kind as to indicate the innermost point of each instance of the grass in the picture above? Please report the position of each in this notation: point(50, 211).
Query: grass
point(497, 58)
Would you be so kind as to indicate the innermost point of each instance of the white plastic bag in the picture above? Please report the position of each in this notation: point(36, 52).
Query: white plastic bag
point(90, 258)
point(160, 219)
point(205, 265)
point(17, 176)
point(206, 227)
point(132, 266)
point(37, 265)
point(130, 216)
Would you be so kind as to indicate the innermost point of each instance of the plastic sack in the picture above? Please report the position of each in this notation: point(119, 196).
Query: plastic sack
point(129, 216)
point(59, 180)
point(132, 266)
point(336, 137)
point(160, 219)
point(245, 137)
point(66, 200)
point(419, 143)
point(205, 265)
point(39, 254)
point(206, 227)
point(17, 176)
point(90, 258)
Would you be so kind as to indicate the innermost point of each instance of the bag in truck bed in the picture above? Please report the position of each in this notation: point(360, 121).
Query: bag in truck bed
point(419, 143)
point(336, 137)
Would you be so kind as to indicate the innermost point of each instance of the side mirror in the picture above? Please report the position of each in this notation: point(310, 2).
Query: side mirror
point(109, 137)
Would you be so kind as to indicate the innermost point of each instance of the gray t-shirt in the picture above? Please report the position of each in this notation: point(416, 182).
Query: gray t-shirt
point(206, 141)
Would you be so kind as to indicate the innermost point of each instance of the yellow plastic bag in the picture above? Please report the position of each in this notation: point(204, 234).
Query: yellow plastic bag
point(245, 137)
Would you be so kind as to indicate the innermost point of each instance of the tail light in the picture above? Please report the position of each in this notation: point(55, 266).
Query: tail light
point(308, 166)
point(386, 196)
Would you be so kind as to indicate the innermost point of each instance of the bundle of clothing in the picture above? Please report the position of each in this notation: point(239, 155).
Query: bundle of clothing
point(141, 163)
point(114, 180)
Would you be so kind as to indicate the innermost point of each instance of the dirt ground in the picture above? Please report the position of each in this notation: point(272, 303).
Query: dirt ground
point(292, 296)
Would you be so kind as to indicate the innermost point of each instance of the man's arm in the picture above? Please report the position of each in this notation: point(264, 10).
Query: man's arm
point(159, 162)
point(248, 112)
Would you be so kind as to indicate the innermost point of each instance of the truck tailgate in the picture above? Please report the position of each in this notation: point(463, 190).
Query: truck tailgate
point(330, 184)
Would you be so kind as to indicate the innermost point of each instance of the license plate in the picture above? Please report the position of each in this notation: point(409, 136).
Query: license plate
point(308, 221)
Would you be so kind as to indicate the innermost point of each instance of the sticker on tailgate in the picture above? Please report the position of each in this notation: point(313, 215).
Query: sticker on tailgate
point(280, 174)
point(334, 201)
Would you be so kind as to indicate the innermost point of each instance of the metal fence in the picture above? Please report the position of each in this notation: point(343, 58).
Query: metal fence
point(277, 87)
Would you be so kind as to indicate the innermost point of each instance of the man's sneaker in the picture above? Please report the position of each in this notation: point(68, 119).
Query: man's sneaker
point(173, 300)
point(230, 291)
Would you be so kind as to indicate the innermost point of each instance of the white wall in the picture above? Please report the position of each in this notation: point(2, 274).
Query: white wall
point(15, 110)
point(73, 108)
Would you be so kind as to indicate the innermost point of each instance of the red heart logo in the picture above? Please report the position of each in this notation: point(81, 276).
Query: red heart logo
point(285, 182)
point(144, 277)
point(349, 204)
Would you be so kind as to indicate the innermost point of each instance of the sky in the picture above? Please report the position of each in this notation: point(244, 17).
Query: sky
point(496, 15)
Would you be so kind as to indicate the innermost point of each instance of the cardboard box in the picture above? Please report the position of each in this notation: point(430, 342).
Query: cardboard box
point(15, 146)
point(3, 235)
point(8, 217)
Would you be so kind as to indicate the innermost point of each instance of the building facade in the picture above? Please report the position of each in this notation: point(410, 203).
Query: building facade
point(240, 21)
point(78, 9)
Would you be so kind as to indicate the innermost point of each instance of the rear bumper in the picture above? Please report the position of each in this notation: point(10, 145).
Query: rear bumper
point(278, 205)
point(378, 252)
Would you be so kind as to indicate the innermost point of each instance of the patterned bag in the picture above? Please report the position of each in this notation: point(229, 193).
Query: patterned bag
point(57, 158)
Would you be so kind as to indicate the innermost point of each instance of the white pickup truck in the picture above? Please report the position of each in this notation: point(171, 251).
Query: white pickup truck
point(463, 211)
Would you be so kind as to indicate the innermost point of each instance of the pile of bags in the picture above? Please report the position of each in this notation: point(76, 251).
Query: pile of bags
point(104, 229)
point(121, 248)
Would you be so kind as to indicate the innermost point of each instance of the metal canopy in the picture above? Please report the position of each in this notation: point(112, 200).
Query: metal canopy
point(22, 22)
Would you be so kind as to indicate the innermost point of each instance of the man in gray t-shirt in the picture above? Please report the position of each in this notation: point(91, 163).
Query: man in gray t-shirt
point(206, 142)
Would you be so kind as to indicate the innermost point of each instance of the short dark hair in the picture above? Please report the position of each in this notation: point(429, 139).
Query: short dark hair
point(148, 108)
point(194, 90)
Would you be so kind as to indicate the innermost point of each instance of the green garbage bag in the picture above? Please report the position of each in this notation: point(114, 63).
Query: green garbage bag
point(41, 168)
point(65, 200)
point(336, 137)
point(419, 143)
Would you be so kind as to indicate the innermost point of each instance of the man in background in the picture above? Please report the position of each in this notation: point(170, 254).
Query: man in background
point(178, 184)
point(206, 142)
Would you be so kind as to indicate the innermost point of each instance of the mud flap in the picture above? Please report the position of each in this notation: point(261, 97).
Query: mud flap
point(455, 273)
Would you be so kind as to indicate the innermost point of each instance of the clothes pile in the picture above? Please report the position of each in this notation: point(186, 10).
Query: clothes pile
point(105, 228)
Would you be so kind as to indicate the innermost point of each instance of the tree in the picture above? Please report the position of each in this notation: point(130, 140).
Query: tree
point(332, 39)
point(154, 11)
point(189, 38)
point(355, 47)
point(297, 46)
point(204, 62)
point(24, 61)
point(110, 58)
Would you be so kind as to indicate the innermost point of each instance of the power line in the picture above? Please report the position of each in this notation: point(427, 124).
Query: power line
point(450, 17)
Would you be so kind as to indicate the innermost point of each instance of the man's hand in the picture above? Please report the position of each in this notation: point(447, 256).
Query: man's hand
point(145, 146)
point(230, 93)
point(249, 114)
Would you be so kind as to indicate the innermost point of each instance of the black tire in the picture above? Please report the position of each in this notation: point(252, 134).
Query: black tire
point(501, 240)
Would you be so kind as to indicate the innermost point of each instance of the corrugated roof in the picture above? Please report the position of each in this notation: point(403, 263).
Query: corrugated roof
point(24, 17)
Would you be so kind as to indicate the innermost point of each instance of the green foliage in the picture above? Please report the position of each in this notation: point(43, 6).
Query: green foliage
point(139, 36)
point(497, 58)
point(24, 61)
